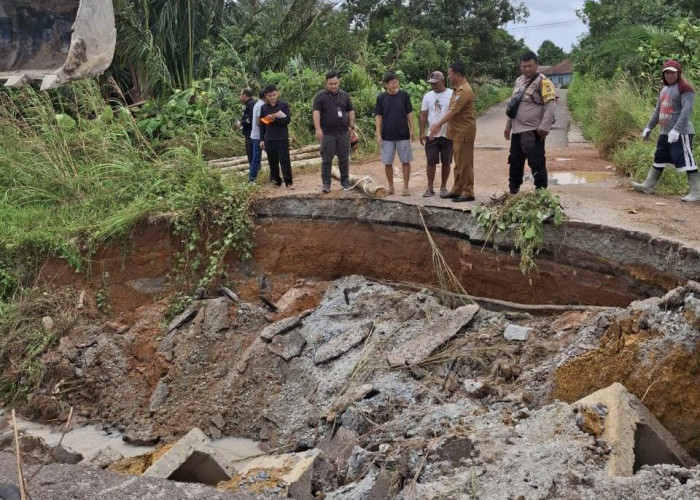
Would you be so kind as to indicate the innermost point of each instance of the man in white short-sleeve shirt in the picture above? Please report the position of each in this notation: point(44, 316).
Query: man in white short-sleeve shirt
point(435, 105)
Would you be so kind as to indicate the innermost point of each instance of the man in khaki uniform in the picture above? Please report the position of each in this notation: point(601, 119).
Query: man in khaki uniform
point(529, 129)
point(461, 128)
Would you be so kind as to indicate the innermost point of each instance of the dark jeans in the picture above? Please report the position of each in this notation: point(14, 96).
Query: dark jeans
point(278, 156)
point(335, 146)
point(255, 161)
point(526, 146)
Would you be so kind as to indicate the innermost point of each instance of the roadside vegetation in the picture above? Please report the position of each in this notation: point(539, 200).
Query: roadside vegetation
point(618, 77)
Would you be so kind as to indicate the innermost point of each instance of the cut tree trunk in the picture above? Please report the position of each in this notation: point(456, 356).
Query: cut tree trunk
point(364, 184)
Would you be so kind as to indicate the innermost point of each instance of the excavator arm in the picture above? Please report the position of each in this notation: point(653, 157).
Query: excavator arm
point(55, 41)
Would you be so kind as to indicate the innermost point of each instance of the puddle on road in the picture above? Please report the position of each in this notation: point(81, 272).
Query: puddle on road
point(565, 178)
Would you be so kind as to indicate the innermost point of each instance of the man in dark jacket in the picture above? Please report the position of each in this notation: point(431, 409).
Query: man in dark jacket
point(334, 119)
point(274, 136)
point(246, 123)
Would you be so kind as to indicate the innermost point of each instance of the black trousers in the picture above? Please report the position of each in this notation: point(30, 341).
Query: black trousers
point(248, 148)
point(526, 146)
point(335, 145)
point(278, 156)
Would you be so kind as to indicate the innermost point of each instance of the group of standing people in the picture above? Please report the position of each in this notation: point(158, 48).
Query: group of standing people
point(265, 127)
point(447, 130)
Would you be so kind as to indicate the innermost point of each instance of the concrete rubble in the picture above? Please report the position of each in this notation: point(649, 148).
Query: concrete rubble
point(193, 460)
point(379, 392)
point(634, 434)
point(436, 334)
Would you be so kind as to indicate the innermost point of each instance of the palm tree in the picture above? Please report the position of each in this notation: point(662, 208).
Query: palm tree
point(159, 42)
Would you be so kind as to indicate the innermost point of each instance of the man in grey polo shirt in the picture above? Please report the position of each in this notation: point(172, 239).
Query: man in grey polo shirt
point(334, 118)
point(394, 129)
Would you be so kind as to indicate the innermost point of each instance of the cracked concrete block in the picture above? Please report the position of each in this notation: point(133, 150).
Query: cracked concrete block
point(158, 397)
point(192, 459)
point(216, 316)
point(635, 435)
point(287, 346)
point(279, 327)
point(436, 334)
point(517, 332)
point(341, 344)
point(183, 318)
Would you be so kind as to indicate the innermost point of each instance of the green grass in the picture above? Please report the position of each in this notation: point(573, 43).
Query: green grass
point(612, 114)
point(70, 184)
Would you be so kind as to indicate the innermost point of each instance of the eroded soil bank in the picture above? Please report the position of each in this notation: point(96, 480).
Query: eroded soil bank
point(403, 393)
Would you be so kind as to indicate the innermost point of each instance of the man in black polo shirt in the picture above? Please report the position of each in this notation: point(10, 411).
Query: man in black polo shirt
point(334, 118)
point(274, 136)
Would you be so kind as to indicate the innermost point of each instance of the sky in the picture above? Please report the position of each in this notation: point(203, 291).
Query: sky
point(553, 20)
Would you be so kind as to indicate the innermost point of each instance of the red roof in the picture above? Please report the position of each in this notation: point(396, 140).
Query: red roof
point(561, 68)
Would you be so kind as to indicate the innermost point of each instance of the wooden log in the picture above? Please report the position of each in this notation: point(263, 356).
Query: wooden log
point(239, 160)
point(263, 163)
point(365, 184)
point(310, 162)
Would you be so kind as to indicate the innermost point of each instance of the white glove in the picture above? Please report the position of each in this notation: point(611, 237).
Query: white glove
point(673, 136)
point(645, 134)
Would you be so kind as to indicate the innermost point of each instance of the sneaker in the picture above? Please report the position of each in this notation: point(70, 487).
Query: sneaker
point(428, 193)
point(346, 186)
point(326, 188)
point(289, 186)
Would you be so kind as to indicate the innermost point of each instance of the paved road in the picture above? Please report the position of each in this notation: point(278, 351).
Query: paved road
point(588, 188)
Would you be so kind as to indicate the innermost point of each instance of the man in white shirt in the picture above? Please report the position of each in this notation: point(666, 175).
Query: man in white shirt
point(435, 105)
point(255, 139)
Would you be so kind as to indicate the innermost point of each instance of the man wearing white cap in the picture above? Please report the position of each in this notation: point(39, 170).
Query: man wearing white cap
point(434, 107)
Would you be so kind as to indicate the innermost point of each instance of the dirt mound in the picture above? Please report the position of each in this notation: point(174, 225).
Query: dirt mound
point(403, 395)
point(653, 349)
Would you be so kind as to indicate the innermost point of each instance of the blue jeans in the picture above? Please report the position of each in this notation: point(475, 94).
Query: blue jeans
point(255, 161)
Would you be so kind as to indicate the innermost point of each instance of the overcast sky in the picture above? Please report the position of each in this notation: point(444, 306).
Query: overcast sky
point(553, 20)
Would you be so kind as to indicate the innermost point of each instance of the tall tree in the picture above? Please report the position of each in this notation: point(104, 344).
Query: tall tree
point(549, 53)
point(616, 29)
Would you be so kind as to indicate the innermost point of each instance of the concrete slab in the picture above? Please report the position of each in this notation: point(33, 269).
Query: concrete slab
point(283, 325)
point(420, 347)
point(341, 344)
point(287, 346)
point(192, 459)
point(634, 434)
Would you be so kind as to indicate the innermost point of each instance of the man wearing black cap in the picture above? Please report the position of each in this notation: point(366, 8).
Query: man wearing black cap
point(434, 107)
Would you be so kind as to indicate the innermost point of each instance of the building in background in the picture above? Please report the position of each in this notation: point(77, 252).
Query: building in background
point(560, 73)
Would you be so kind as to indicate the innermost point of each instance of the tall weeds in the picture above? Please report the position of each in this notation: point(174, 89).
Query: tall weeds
point(75, 172)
